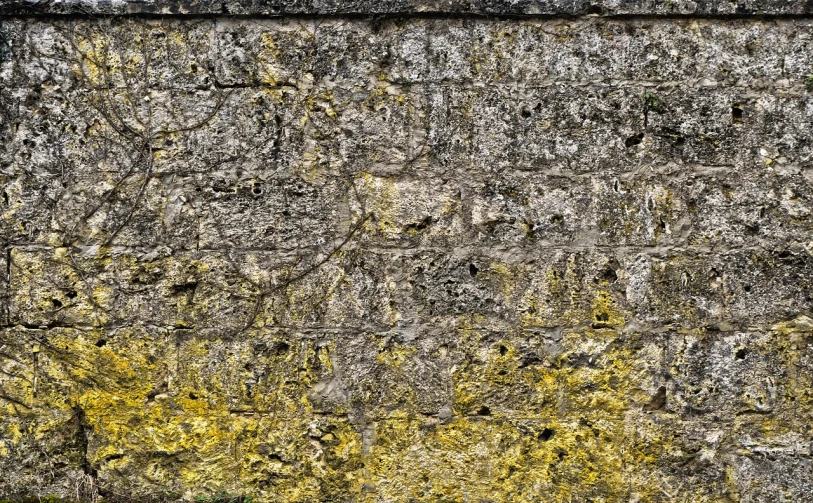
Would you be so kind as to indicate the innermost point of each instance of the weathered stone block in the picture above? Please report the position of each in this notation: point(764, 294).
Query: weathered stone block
point(113, 53)
point(134, 402)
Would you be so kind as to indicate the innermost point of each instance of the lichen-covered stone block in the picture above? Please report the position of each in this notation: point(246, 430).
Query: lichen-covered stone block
point(168, 386)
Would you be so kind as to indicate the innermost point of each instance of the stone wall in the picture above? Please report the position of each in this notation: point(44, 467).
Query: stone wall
point(497, 251)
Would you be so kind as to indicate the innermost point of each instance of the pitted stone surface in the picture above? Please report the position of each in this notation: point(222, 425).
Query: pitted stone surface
point(292, 251)
point(517, 8)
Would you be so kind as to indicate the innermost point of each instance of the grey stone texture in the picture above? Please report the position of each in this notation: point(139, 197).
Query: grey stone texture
point(464, 251)
point(519, 8)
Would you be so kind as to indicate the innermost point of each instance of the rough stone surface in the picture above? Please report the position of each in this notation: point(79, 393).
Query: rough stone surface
point(305, 254)
point(514, 8)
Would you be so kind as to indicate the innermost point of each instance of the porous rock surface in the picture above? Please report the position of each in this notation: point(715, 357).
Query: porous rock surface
point(466, 251)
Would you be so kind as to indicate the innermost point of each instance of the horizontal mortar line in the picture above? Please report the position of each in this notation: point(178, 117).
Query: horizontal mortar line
point(432, 418)
point(518, 85)
point(271, 413)
point(631, 327)
point(315, 331)
point(428, 173)
point(514, 85)
point(461, 174)
point(758, 89)
point(464, 175)
point(492, 249)
point(496, 249)
point(473, 249)
point(473, 178)
point(641, 172)
point(204, 331)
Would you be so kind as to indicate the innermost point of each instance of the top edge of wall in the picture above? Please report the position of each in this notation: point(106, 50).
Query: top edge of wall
point(507, 8)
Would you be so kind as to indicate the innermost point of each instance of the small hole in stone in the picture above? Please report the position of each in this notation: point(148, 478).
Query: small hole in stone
point(473, 270)
point(101, 343)
point(546, 434)
point(593, 9)
point(784, 254)
point(256, 189)
point(525, 113)
point(610, 276)
point(483, 411)
point(736, 113)
point(602, 320)
point(193, 396)
point(634, 140)
point(741, 354)
point(281, 348)
point(57, 304)
point(747, 288)
point(503, 350)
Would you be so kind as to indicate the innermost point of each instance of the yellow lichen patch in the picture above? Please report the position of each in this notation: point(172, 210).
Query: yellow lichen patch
point(272, 67)
point(393, 355)
point(510, 461)
point(380, 197)
point(124, 389)
point(507, 278)
point(389, 389)
point(56, 285)
point(605, 311)
point(554, 299)
point(401, 209)
point(271, 375)
point(14, 192)
point(591, 375)
point(539, 303)
point(793, 340)
point(602, 382)
point(94, 61)
point(300, 459)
